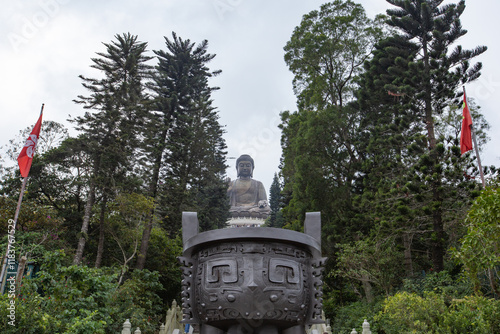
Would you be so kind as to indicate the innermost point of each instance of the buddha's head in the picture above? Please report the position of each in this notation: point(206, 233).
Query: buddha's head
point(245, 166)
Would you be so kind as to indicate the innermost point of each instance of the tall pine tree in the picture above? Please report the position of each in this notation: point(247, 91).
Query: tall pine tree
point(184, 140)
point(111, 133)
point(431, 78)
point(275, 203)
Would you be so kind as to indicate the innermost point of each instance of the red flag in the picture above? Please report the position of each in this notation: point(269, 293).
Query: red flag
point(26, 156)
point(466, 135)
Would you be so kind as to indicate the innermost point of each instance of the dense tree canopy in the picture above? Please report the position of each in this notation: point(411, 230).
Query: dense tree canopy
point(327, 50)
point(325, 53)
point(377, 151)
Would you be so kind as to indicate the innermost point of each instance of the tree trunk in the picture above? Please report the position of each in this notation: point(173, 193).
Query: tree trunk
point(407, 254)
point(85, 225)
point(146, 234)
point(100, 246)
point(367, 287)
point(437, 239)
point(493, 283)
point(20, 271)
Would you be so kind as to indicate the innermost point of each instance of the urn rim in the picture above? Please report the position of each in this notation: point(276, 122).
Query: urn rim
point(253, 234)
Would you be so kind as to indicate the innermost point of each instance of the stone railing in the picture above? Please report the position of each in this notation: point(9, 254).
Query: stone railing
point(127, 328)
point(173, 324)
point(320, 328)
point(326, 329)
point(173, 320)
point(366, 328)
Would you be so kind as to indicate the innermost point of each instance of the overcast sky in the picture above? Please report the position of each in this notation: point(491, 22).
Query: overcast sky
point(46, 44)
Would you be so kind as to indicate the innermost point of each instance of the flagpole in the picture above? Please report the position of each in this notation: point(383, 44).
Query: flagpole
point(476, 150)
point(12, 232)
point(11, 235)
point(477, 155)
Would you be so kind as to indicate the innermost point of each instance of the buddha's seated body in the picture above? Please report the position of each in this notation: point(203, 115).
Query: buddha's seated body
point(247, 196)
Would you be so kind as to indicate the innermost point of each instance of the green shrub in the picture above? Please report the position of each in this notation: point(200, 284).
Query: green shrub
point(479, 251)
point(473, 314)
point(83, 300)
point(441, 283)
point(410, 313)
point(30, 315)
point(352, 316)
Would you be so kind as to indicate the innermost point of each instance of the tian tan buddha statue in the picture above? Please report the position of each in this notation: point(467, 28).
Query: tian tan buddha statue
point(247, 196)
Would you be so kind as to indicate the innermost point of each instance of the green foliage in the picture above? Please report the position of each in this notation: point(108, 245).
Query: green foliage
point(138, 300)
point(369, 262)
point(479, 251)
point(33, 217)
point(82, 300)
point(472, 314)
point(411, 313)
point(163, 252)
point(413, 184)
point(442, 283)
point(31, 314)
point(327, 50)
point(38, 228)
point(384, 169)
point(125, 221)
point(111, 134)
point(353, 314)
point(275, 203)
